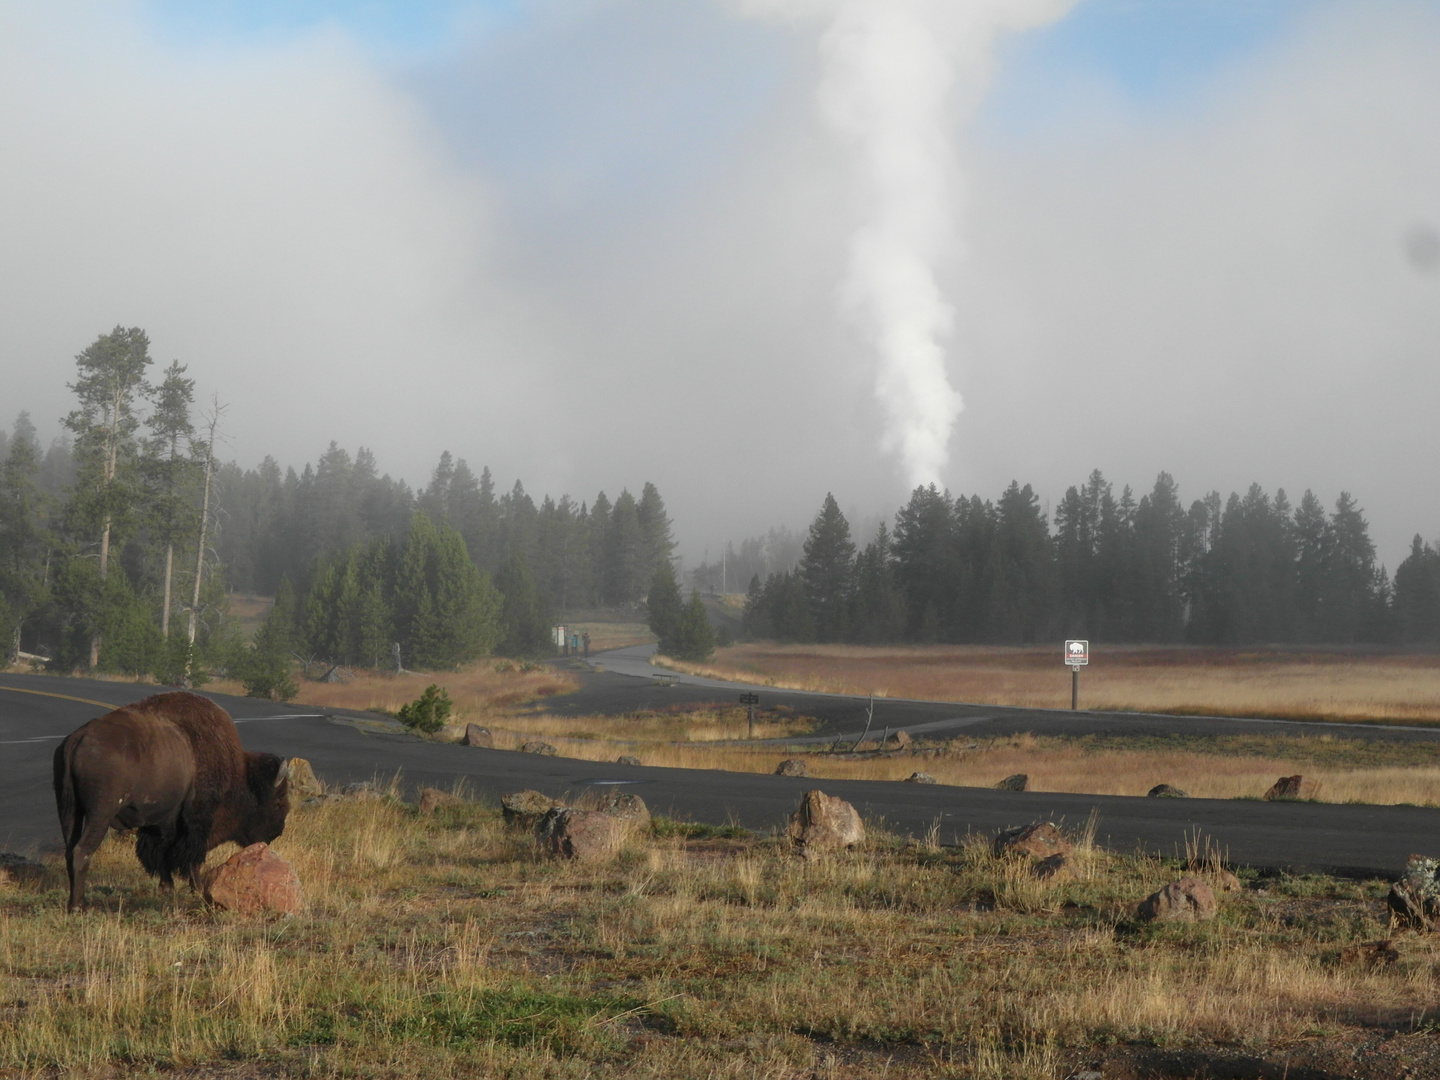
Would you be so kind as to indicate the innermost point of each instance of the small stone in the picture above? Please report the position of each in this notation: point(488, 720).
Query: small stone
point(824, 823)
point(628, 759)
point(584, 835)
point(364, 789)
point(475, 735)
point(899, 740)
point(433, 799)
point(1414, 900)
point(1039, 839)
point(1226, 882)
point(1371, 955)
point(1019, 782)
point(792, 766)
point(525, 808)
point(253, 881)
point(1055, 868)
point(920, 778)
point(1186, 900)
point(628, 809)
point(304, 784)
point(535, 746)
point(16, 869)
point(1165, 791)
point(1287, 787)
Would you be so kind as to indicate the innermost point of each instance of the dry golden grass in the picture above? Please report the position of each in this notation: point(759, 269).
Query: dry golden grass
point(483, 690)
point(1288, 683)
point(445, 947)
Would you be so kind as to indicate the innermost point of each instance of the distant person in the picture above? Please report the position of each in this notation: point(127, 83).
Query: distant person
point(586, 639)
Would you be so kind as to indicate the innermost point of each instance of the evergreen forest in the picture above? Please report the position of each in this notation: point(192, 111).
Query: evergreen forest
point(121, 543)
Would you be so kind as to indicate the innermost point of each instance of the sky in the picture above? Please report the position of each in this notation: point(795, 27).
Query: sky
point(751, 250)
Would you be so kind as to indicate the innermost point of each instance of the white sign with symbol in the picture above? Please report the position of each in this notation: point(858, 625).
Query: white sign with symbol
point(1077, 653)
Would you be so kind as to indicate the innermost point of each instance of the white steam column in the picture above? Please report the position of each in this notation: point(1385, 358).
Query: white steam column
point(899, 75)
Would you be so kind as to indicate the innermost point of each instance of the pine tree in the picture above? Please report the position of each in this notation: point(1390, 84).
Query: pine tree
point(110, 378)
point(524, 624)
point(24, 538)
point(623, 556)
point(828, 572)
point(665, 607)
point(694, 638)
point(656, 541)
point(169, 471)
point(446, 611)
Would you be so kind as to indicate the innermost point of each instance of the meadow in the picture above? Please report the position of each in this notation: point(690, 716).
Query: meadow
point(1282, 683)
point(446, 946)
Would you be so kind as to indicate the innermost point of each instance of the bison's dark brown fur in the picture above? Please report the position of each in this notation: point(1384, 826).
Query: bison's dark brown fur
point(172, 767)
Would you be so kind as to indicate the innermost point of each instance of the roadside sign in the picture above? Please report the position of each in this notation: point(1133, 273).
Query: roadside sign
point(749, 699)
point(1077, 653)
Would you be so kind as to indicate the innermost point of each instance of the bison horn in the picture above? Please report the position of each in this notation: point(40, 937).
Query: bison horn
point(284, 773)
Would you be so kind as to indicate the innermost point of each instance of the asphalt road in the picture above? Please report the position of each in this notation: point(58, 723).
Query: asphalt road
point(36, 712)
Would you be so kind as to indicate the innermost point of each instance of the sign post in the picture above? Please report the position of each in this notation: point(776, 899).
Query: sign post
point(1077, 655)
point(750, 701)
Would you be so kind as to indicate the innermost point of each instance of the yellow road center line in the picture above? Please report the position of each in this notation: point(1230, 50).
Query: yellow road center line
point(106, 705)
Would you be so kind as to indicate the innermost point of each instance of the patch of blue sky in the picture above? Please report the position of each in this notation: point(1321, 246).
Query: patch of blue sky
point(1152, 55)
point(385, 27)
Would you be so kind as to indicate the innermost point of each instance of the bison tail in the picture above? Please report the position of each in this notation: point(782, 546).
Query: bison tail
point(65, 789)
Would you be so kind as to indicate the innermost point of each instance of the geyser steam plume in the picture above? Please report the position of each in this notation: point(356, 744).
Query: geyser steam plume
point(898, 77)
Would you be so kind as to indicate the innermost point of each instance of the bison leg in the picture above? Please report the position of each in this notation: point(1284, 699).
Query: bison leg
point(78, 854)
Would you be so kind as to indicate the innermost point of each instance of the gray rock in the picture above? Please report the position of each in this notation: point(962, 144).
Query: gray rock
point(920, 778)
point(824, 823)
point(1039, 839)
point(628, 759)
point(628, 809)
point(1414, 900)
point(792, 766)
point(475, 735)
point(535, 746)
point(1019, 782)
point(1165, 791)
point(1059, 867)
point(584, 835)
point(524, 809)
point(433, 799)
point(1287, 787)
point(1186, 900)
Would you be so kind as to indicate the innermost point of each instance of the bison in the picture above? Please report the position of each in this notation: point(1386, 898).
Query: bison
point(172, 768)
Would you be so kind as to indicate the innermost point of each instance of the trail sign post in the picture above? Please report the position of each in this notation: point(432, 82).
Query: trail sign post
point(1077, 655)
point(750, 701)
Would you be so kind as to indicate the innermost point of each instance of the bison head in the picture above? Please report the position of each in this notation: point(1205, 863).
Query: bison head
point(268, 778)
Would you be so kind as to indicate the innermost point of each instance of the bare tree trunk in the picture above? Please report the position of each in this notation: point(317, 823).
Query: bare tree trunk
point(204, 524)
point(169, 577)
point(112, 455)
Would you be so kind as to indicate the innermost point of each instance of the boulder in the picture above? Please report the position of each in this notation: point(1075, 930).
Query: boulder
point(1039, 839)
point(1414, 900)
point(535, 746)
point(475, 735)
point(524, 809)
point(1287, 787)
point(899, 740)
point(1224, 881)
point(1186, 900)
point(1058, 867)
point(627, 808)
point(920, 778)
point(304, 784)
point(1165, 791)
point(254, 881)
point(628, 759)
point(566, 832)
point(824, 823)
point(432, 799)
point(792, 766)
point(1019, 782)
point(15, 869)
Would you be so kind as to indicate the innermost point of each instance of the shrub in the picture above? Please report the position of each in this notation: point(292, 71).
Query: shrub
point(428, 712)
